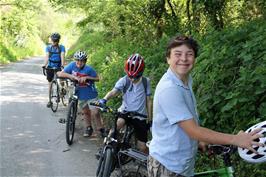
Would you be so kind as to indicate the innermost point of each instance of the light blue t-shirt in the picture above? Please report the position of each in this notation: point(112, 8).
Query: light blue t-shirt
point(170, 145)
point(85, 91)
point(54, 59)
point(135, 97)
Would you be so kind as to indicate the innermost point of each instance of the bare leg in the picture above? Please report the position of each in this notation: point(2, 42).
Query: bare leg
point(87, 122)
point(97, 117)
point(87, 116)
point(120, 123)
point(142, 147)
point(49, 90)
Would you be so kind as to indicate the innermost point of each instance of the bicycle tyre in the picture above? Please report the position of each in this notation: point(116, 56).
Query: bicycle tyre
point(70, 122)
point(54, 96)
point(130, 170)
point(105, 166)
point(63, 96)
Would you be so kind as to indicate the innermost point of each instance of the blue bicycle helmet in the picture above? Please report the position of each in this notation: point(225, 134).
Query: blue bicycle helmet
point(55, 37)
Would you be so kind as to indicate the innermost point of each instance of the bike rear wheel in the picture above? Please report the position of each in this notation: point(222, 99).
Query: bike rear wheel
point(105, 164)
point(70, 122)
point(54, 95)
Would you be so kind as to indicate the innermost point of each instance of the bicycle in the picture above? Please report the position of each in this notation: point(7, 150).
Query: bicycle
point(71, 112)
point(109, 155)
point(139, 169)
point(58, 89)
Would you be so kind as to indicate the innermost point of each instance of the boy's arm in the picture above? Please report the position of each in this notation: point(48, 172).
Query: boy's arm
point(67, 75)
point(96, 79)
point(62, 58)
point(244, 140)
point(46, 59)
point(111, 94)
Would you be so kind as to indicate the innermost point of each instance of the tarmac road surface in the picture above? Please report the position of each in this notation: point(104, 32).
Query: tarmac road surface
point(32, 141)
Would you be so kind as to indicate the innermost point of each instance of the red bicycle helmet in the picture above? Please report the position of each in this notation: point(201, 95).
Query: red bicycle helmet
point(134, 66)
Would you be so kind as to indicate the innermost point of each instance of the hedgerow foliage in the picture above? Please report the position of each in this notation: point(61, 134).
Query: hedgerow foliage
point(230, 82)
point(230, 77)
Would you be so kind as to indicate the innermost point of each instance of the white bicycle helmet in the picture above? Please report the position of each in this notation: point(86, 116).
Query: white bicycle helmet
point(248, 155)
point(80, 55)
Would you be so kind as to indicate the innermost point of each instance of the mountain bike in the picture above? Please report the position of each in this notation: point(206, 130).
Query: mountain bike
point(109, 155)
point(58, 90)
point(71, 112)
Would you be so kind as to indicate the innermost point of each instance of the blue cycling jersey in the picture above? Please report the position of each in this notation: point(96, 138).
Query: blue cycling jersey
point(54, 60)
point(85, 91)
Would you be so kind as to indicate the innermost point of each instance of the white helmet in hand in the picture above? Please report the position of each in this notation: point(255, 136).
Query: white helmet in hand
point(251, 156)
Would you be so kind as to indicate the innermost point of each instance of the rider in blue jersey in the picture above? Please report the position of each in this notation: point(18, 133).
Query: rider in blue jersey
point(87, 92)
point(55, 55)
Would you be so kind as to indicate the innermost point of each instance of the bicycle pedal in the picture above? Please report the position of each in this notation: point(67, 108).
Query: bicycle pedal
point(62, 121)
point(97, 156)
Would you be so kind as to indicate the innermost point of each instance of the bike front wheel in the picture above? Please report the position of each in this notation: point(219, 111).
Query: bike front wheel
point(70, 122)
point(54, 95)
point(105, 164)
point(64, 96)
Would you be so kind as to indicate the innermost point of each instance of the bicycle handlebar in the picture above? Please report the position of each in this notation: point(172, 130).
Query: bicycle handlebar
point(45, 68)
point(221, 149)
point(127, 114)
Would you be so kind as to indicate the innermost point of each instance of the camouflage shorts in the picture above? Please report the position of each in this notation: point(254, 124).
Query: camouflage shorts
point(156, 169)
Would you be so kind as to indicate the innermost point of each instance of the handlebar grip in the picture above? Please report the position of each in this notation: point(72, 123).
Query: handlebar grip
point(44, 70)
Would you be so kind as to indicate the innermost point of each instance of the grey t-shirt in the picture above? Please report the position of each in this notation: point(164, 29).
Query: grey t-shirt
point(135, 98)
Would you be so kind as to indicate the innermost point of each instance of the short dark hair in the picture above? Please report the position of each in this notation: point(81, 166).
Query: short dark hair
point(182, 40)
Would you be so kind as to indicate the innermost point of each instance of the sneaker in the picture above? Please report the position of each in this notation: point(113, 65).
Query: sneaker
point(88, 131)
point(49, 104)
point(103, 132)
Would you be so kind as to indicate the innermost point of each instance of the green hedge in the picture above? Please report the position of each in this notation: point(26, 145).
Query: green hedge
point(229, 77)
point(230, 82)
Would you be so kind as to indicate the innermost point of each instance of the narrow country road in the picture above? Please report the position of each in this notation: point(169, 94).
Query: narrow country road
point(32, 141)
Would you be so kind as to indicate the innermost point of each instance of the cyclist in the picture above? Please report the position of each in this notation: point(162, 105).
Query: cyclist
point(176, 132)
point(87, 92)
point(136, 98)
point(55, 55)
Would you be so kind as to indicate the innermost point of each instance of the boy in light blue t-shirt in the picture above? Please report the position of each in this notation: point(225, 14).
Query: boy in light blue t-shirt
point(176, 133)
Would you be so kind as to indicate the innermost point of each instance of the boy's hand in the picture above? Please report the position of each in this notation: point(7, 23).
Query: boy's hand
point(102, 101)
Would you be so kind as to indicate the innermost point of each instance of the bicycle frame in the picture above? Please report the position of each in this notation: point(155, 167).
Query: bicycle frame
point(222, 172)
point(227, 170)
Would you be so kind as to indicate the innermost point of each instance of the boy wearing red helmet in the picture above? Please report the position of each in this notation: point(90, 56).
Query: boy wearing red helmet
point(136, 98)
